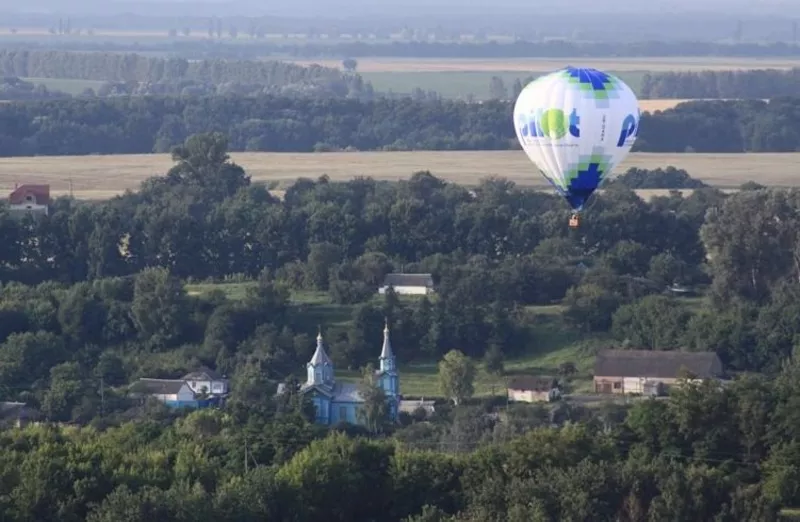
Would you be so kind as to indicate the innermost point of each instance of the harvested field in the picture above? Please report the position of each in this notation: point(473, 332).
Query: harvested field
point(101, 177)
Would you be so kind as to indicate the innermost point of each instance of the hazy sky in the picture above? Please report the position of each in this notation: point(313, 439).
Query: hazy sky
point(388, 8)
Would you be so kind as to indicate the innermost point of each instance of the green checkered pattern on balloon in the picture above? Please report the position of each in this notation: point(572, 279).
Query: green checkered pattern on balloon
point(594, 84)
point(590, 169)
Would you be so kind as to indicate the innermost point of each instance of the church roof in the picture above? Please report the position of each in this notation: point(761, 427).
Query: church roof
point(320, 357)
point(386, 351)
point(341, 391)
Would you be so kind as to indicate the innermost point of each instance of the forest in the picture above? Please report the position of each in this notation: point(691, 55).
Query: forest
point(151, 75)
point(95, 295)
point(137, 74)
point(126, 125)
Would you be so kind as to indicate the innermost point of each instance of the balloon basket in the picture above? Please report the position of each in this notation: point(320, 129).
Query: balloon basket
point(574, 221)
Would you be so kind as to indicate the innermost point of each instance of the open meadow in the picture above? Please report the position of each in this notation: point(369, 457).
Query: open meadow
point(102, 177)
point(458, 78)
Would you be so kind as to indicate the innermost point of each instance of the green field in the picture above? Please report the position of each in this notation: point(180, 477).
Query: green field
point(553, 345)
point(67, 85)
point(461, 84)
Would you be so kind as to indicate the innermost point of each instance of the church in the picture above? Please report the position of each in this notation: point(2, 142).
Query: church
point(337, 402)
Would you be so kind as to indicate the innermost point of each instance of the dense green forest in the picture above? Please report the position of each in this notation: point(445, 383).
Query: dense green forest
point(286, 124)
point(94, 296)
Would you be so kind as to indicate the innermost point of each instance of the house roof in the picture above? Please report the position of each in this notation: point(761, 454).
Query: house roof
point(40, 192)
point(16, 410)
point(410, 405)
point(658, 364)
point(425, 280)
point(158, 386)
point(203, 374)
point(532, 383)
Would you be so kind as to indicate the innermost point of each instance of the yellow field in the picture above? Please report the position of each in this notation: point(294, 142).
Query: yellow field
point(101, 177)
point(532, 65)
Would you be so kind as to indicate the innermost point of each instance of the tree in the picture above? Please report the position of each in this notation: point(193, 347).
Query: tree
point(493, 359)
point(497, 89)
point(159, 307)
point(456, 376)
point(374, 411)
point(349, 64)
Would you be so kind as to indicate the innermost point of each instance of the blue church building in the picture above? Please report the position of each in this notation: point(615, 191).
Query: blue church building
point(337, 402)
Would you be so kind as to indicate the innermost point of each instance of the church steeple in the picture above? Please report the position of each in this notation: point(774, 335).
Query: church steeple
point(320, 367)
point(387, 362)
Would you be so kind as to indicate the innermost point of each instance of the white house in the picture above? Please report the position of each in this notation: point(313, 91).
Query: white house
point(196, 389)
point(408, 284)
point(207, 381)
point(165, 390)
point(30, 199)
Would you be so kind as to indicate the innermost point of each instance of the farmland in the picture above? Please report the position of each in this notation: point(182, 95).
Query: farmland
point(458, 78)
point(101, 177)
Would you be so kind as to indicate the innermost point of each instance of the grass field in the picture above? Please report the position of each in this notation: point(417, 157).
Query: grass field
point(101, 177)
point(540, 65)
point(458, 78)
point(67, 85)
point(463, 84)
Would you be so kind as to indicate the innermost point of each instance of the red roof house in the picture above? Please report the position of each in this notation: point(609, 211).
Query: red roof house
point(30, 197)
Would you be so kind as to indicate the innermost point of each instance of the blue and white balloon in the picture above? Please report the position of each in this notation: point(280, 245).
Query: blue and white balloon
point(576, 125)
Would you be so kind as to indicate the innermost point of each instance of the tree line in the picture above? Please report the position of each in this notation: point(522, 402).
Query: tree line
point(102, 300)
point(161, 74)
point(754, 84)
point(290, 124)
point(521, 48)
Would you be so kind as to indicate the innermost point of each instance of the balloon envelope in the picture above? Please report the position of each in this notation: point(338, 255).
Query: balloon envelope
point(576, 125)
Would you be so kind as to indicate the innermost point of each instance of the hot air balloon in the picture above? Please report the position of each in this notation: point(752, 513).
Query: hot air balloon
point(576, 125)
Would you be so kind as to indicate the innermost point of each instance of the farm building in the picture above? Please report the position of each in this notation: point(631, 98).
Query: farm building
point(408, 284)
point(528, 388)
point(196, 389)
point(30, 199)
point(650, 372)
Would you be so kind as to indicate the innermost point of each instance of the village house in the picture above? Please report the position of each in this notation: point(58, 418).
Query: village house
point(34, 199)
point(411, 406)
point(17, 415)
point(198, 389)
point(408, 284)
point(528, 388)
point(651, 372)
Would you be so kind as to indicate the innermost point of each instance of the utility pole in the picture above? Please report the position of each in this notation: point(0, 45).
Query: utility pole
point(246, 460)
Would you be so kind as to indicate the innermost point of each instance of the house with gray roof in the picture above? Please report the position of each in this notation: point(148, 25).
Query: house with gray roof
point(337, 401)
point(651, 372)
point(17, 414)
point(408, 284)
point(197, 389)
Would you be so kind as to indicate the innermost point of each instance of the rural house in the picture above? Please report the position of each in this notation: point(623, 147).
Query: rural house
point(30, 199)
point(650, 372)
point(408, 284)
point(17, 415)
point(198, 389)
point(528, 388)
